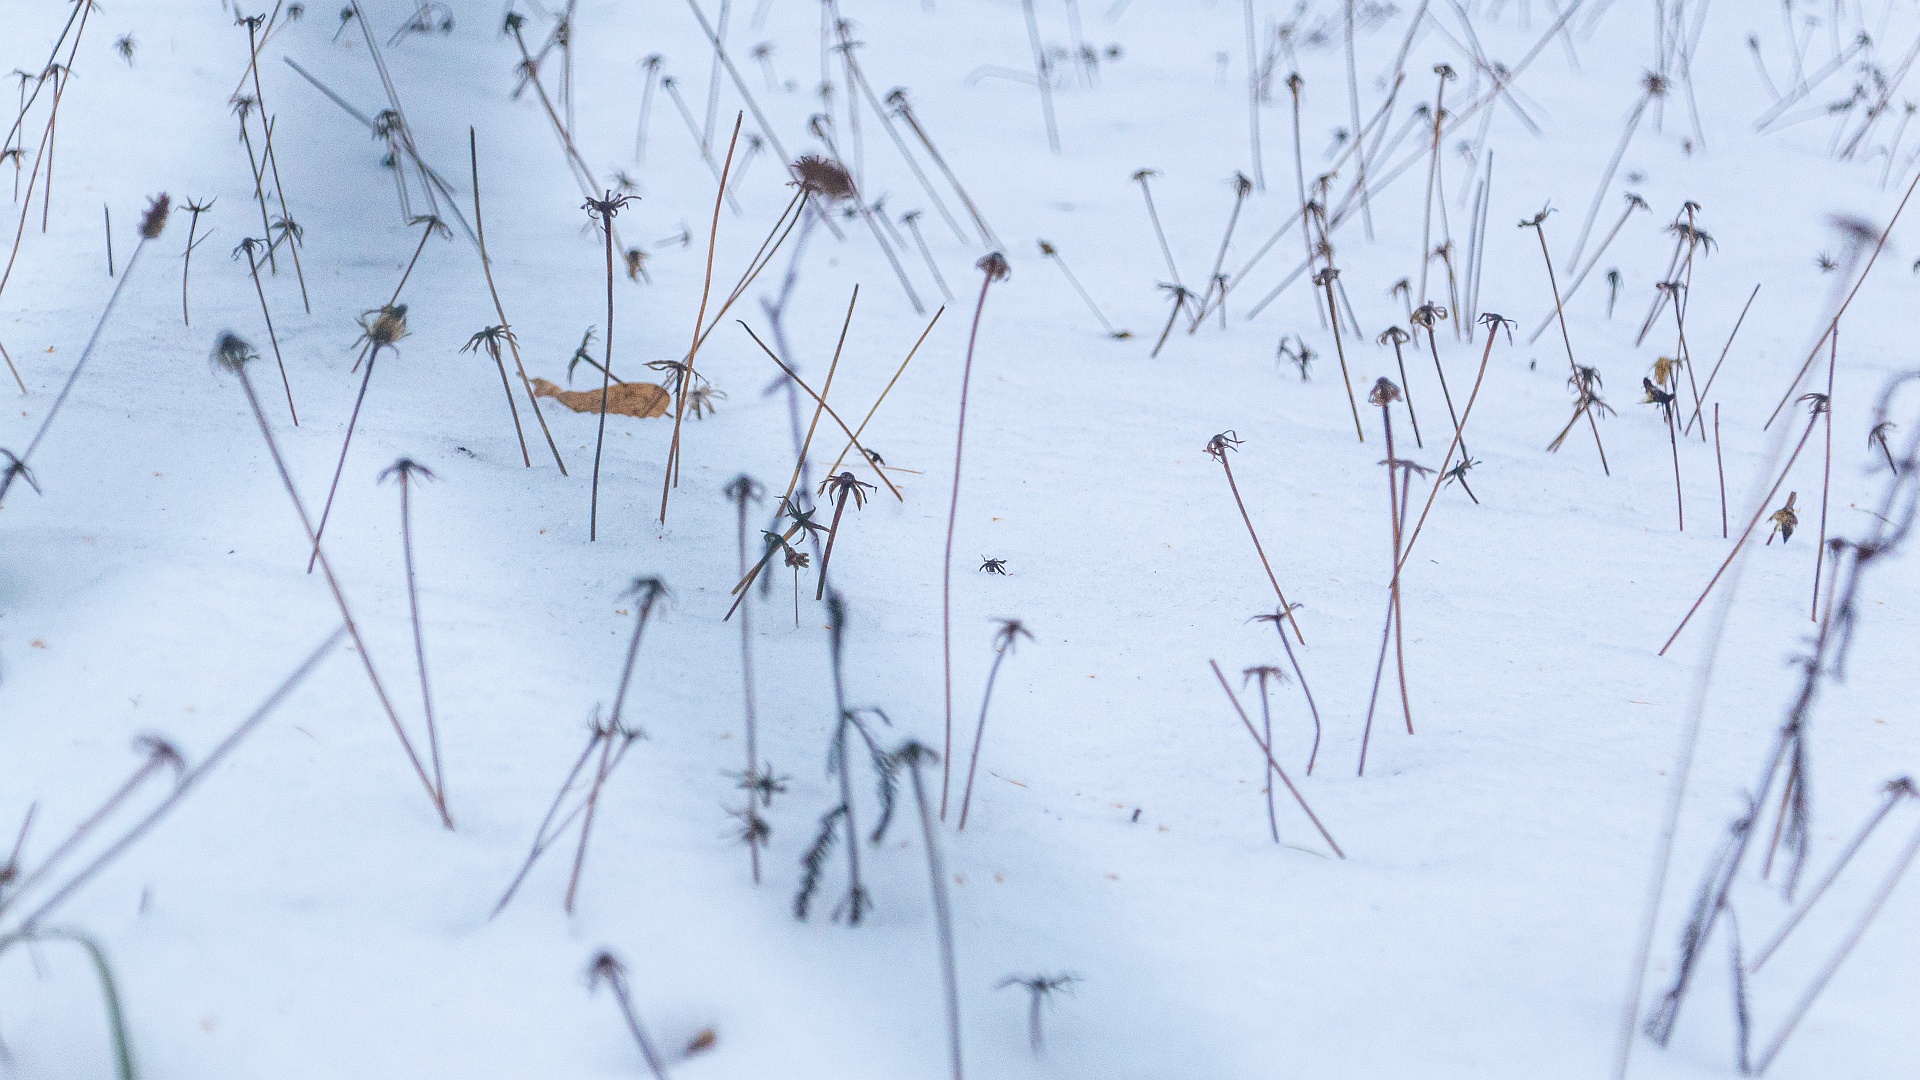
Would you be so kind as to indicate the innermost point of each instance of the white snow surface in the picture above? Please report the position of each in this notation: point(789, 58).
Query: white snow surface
point(304, 914)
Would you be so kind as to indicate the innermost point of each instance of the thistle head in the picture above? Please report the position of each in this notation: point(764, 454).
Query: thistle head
point(388, 324)
point(155, 217)
point(825, 178)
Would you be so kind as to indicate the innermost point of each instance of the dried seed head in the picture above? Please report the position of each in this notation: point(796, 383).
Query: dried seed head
point(232, 352)
point(994, 265)
point(155, 218)
point(388, 326)
point(1655, 85)
point(1218, 446)
point(1664, 370)
point(819, 176)
point(1383, 393)
point(1047, 249)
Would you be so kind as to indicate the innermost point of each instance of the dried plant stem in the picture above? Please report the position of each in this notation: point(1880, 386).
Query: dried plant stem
point(486, 267)
point(1052, 253)
point(1340, 350)
point(1294, 83)
point(1680, 502)
point(1539, 226)
point(672, 477)
point(1894, 793)
point(1634, 202)
point(980, 732)
point(188, 781)
point(1406, 551)
point(1446, 394)
point(898, 100)
point(1158, 232)
point(1840, 954)
point(19, 463)
point(1433, 176)
point(1285, 607)
point(340, 597)
point(1833, 324)
point(913, 754)
point(912, 221)
point(953, 517)
point(1606, 175)
point(1826, 475)
point(1253, 98)
point(544, 836)
point(853, 439)
point(1042, 76)
point(1707, 387)
point(743, 491)
point(1758, 513)
point(859, 79)
point(1275, 765)
point(605, 207)
point(404, 470)
point(1720, 466)
point(272, 161)
point(605, 967)
point(273, 338)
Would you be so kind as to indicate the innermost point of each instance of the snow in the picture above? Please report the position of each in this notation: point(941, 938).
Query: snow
point(304, 913)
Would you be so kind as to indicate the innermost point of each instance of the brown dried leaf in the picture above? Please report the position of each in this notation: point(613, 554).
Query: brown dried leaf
point(640, 399)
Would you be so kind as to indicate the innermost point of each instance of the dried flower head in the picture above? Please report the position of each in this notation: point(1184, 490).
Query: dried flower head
point(1218, 446)
point(1383, 393)
point(384, 325)
point(819, 176)
point(155, 217)
point(994, 265)
point(232, 352)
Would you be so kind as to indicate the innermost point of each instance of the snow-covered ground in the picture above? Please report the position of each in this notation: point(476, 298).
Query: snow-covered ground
point(304, 914)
